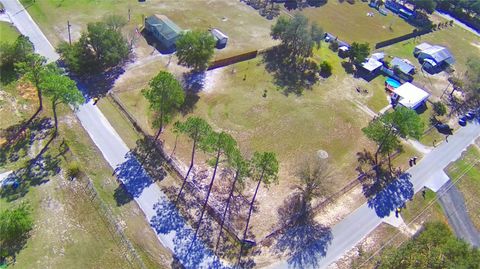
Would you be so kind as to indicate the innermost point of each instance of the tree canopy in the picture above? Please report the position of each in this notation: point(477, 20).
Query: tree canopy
point(15, 223)
point(386, 129)
point(12, 53)
point(359, 52)
point(195, 49)
point(165, 95)
point(60, 89)
point(101, 47)
point(434, 247)
point(426, 5)
point(296, 35)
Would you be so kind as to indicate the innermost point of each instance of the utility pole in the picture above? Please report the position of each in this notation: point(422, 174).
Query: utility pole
point(69, 35)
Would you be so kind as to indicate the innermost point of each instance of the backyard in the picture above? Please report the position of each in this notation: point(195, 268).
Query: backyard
point(351, 23)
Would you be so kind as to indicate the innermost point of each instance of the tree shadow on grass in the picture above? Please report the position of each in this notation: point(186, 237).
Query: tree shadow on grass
point(193, 83)
point(290, 75)
point(393, 196)
point(303, 240)
point(35, 172)
point(18, 147)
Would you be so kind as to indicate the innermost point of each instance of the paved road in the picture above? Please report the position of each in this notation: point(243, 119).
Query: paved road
point(351, 230)
point(457, 22)
point(454, 207)
point(171, 228)
point(27, 27)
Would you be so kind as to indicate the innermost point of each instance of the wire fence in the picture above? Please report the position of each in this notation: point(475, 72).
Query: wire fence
point(113, 225)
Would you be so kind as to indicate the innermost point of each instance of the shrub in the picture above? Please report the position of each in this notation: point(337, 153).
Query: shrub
point(73, 170)
point(325, 69)
point(333, 45)
point(439, 108)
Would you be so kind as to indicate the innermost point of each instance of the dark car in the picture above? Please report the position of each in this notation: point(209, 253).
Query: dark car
point(470, 115)
point(443, 128)
point(462, 121)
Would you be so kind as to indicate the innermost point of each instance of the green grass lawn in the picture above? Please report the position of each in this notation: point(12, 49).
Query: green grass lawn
point(246, 29)
point(70, 231)
point(468, 183)
point(291, 126)
point(421, 209)
point(379, 99)
point(8, 33)
point(351, 23)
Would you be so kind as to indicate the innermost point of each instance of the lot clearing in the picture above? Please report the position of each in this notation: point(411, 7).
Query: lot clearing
point(328, 117)
point(246, 29)
point(351, 23)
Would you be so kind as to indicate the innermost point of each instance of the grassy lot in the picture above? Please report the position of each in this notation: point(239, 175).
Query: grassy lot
point(461, 43)
point(8, 33)
point(323, 118)
point(468, 181)
point(124, 128)
point(422, 209)
point(246, 29)
point(17, 103)
point(70, 230)
point(379, 99)
point(351, 23)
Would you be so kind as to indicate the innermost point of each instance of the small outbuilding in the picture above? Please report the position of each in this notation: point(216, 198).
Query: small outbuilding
point(371, 65)
point(405, 66)
point(163, 30)
point(421, 47)
point(410, 96)
point(220, 38)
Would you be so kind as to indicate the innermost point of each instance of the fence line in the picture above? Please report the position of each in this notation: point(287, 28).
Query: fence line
point(233, 59)
point(105, 211)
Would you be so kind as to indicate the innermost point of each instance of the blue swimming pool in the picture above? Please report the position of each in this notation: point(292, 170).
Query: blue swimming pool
point(392, 82)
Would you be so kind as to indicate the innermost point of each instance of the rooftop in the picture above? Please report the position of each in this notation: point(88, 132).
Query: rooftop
point(410, 95)
point(371, 64)
point(164, 25)
point(403, 65)
point(438, 53)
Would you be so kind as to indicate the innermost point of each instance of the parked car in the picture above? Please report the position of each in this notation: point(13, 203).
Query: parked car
point(463, 121)
point(470, 115)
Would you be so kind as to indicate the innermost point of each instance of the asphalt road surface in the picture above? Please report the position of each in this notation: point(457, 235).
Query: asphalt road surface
point(454, 207)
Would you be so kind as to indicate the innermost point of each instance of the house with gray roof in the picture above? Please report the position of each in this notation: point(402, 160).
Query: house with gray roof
point(403, 65)
point(434, 58)
point(163, 30)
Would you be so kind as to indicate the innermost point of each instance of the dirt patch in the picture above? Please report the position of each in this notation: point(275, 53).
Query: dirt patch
point(27, 91)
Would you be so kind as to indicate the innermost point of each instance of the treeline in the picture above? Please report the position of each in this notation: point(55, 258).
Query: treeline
point(464, 10)
point(434, 247)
